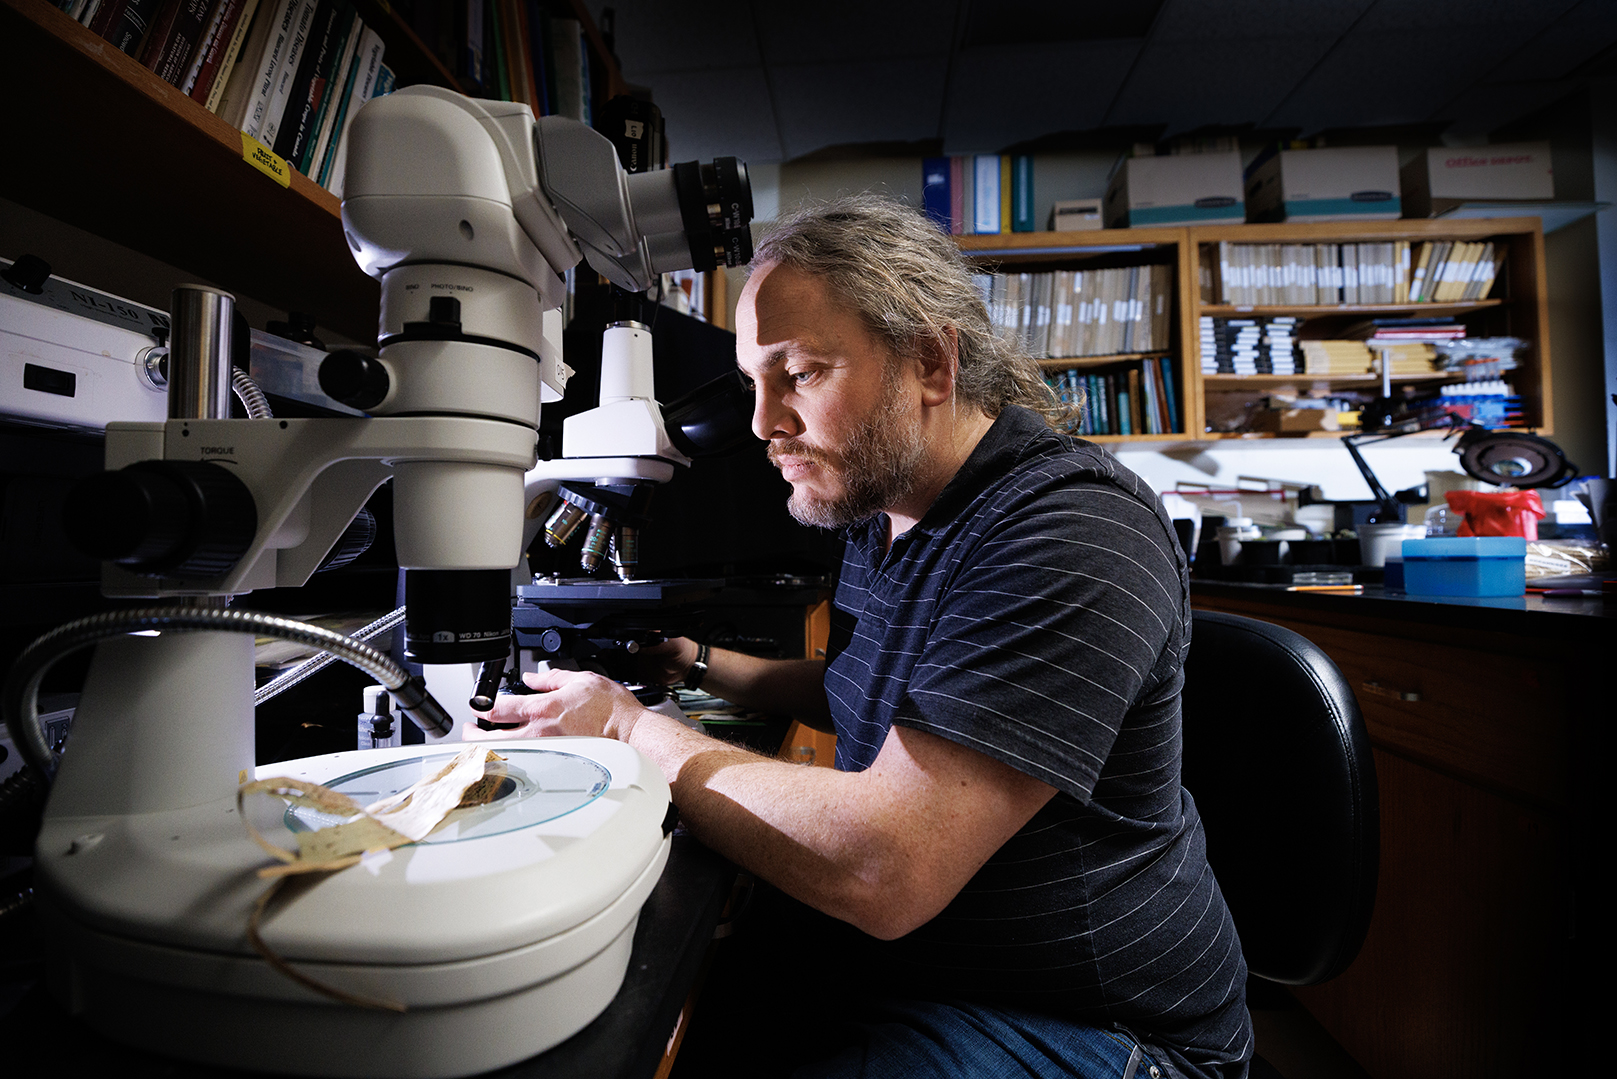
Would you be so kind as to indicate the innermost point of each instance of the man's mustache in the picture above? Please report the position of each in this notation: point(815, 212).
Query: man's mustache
point(793, 447)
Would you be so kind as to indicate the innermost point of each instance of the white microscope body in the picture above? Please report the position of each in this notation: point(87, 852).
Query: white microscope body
point(510, 929)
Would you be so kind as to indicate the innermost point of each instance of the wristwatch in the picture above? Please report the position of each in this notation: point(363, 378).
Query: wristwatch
point(698, 669)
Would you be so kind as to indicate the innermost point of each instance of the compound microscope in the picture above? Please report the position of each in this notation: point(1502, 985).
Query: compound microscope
point(509, 928)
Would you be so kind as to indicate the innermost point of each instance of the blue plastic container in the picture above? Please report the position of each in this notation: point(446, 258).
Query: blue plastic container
point(1466, 566)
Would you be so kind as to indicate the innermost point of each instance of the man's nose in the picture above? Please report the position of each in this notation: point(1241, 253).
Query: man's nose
point(771, 419)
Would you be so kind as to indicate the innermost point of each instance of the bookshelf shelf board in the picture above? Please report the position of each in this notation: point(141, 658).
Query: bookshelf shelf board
point(1240, 382)
point(1392, 310)
point(1222, 436)
point(1064, 363)
point(113, 149)
point(1134, 438)
point(1424, 228)
point(1036, 246)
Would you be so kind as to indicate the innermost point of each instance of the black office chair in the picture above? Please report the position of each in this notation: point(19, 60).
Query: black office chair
point(1278, 762)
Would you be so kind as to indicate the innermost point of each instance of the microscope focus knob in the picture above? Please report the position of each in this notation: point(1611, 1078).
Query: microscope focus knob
point(355, 379)
point(164, 518)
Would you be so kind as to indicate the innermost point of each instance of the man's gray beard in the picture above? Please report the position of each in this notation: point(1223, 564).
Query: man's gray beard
point(878, 467)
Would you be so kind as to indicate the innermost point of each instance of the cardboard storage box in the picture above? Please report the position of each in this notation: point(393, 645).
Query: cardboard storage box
point(1349, 183)
point(1185, 189)
point(1075, 215)
point(1439, 180)
point(1291, 421)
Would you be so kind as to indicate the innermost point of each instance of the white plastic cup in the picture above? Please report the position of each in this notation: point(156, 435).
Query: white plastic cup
point(1376, 542)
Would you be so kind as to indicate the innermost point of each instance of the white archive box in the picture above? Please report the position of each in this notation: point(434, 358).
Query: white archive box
point(1182, 189)
point(1075, 215)
point(1346, 183)
point(1441, 179)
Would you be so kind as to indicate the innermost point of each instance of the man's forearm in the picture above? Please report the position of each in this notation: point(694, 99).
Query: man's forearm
point(794, 687)
point(884, 849)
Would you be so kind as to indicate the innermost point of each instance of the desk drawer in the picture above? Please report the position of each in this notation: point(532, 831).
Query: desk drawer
point(1497, 719)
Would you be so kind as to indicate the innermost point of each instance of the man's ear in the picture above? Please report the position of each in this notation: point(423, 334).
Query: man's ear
point(939, 362)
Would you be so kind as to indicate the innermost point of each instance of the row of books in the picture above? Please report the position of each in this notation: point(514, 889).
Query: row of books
point(1248, 346)
point(1136, 399)
point(290, 73)
point(1389, 272)
point(509, 50)
point(979, 193)
point(1360, 357)
point(1069, 313)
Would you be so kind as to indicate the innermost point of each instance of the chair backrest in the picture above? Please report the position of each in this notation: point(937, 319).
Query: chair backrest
point(1278, 763)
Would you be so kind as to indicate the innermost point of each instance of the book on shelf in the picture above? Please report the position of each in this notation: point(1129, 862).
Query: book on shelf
point(1021, 195)
point(223, 52)
point(986, 201)
point(371, 78)
point(935, 191)
point(210, 32)
point(247, 85)
point(1072, 313)
point(125, 23)
point(331, 85)
point(173, 39)
point(279, 91)
point(328, 33)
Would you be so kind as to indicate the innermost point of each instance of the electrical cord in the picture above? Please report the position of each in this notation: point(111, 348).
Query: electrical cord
point(20, 696)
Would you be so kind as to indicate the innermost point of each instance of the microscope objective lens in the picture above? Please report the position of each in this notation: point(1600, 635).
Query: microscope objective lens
point(595, 542)
point(561, 525)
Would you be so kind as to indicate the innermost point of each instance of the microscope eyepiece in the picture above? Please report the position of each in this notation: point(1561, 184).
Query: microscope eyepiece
point(715, 204)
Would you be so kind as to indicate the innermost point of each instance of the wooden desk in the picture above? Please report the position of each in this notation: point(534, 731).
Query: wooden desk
point(1487, 720)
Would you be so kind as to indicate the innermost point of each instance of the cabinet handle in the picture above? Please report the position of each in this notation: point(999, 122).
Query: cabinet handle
point(1387, 691)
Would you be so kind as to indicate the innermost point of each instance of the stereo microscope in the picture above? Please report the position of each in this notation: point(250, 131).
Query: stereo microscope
point(509, 928)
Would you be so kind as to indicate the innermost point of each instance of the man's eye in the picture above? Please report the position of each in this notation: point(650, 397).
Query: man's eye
point(800, 377)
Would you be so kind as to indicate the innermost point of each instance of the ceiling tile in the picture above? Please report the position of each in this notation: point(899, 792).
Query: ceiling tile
point(1004, 95)
point(1563, 45)
point(1390, 77)
point(855, 29)
point(1156, 91)
point(1223, 20)
point(1449, 15)
point(687, 36)
point(893, 100)
point(723, 113)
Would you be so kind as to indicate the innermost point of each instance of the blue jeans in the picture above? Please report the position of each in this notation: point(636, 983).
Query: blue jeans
point(911, 1039)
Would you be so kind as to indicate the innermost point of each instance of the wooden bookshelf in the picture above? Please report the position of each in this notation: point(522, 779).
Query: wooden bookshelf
point(102, 144)
point(1021, 252)
point(1519, 307)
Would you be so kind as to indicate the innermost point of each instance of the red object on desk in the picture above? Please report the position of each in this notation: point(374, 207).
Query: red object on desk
point(1498, 513)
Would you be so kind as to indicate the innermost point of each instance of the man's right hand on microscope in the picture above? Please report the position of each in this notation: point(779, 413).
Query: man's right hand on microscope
point(666, 662)
point(564, 702)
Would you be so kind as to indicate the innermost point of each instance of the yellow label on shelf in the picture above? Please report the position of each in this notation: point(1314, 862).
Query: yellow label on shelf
point(263, 159)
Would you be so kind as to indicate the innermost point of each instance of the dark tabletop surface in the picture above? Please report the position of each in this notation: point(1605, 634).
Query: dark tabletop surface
point(1540, 615)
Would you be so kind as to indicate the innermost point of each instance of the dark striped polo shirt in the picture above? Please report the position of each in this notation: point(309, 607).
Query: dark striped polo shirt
point(1039, 613)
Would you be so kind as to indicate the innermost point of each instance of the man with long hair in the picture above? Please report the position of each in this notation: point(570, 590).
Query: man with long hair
point(1002, 875)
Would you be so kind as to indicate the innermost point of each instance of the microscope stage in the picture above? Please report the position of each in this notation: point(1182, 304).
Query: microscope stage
point(502, 933)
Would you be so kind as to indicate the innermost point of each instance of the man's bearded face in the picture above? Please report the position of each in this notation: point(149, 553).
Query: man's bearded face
point(874, 468)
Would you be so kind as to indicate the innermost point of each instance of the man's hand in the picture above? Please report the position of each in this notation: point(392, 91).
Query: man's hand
point(665, 663)
point(566, 702)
